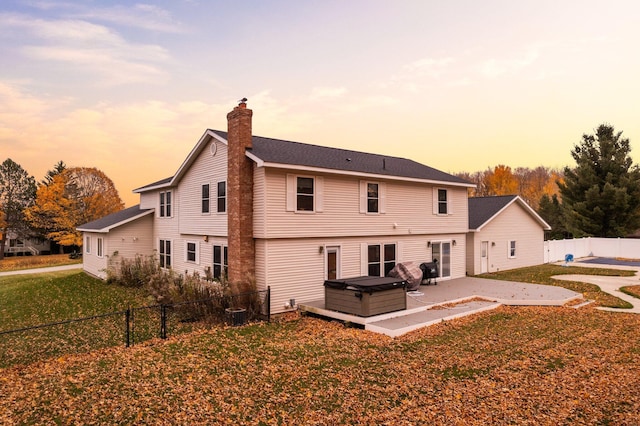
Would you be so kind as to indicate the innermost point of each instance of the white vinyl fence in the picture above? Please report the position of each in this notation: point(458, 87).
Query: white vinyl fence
point(556, 250)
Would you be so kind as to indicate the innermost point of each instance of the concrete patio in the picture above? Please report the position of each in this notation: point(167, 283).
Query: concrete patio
point(451, 299)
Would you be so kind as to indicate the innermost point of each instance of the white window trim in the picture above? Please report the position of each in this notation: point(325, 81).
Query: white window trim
point(364, 196)
point(197, 253)
point(436, 202)
point(226, 198)
point(223, 266)
point(202, 199)
point(364, 255)
point(165, 254)
point(292, 194)
point(87, 244)
point(162, 209)
point(100, 247)
point(515, 249)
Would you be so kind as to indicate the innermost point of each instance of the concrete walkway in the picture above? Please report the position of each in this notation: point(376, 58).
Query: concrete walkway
point(609, 285)
point(451, 299)
point(41, 270)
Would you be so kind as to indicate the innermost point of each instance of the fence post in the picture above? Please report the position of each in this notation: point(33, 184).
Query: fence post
point(127, 316)
point(163, 321)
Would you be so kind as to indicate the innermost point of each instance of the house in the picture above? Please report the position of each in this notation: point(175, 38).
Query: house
point(504, 233)
point(288, 215)
point(17, 245)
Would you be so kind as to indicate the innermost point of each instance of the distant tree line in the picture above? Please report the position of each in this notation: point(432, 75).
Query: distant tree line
point(599, 196)
point(55, 206)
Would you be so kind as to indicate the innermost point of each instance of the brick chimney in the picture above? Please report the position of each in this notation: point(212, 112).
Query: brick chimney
point(241, 260)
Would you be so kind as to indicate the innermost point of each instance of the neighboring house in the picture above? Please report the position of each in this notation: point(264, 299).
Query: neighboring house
point(20, 246)
point(289, 215)
point(504, 233)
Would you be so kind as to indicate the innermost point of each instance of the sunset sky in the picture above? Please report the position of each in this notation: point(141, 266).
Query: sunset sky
point(129, 87)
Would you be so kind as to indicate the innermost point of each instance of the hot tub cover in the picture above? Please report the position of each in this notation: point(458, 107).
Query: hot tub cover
point(366, 284)
point(410, 272)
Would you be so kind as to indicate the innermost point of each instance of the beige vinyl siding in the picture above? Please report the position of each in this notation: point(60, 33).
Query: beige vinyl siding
point(474, 249)
point(91, 263)
point(259, 202)
point(407, 205)
point(295, 268)
point(514, 223)
point(206, 169)
point(149, 200)
point(126, 241)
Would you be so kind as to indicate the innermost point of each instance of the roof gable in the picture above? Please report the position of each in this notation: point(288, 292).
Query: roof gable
point(483, 210)
point(105, 224)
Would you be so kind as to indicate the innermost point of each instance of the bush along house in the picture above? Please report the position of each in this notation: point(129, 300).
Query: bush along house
point(288, 215)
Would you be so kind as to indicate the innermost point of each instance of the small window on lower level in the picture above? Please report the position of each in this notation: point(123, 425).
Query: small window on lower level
point(512, 249)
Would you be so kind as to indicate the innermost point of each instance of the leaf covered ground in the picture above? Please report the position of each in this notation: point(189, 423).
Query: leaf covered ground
point(512, 365)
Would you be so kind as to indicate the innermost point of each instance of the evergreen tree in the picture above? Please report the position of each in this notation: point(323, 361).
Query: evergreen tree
point(17, 192)
point(57, 169)
point(601, 195)
point(551, 211)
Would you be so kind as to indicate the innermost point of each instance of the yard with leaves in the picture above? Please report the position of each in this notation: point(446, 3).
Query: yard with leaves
point(514, 365)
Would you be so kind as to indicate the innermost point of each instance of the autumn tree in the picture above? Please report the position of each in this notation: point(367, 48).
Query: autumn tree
point(601, 195)
point(501, 181)
point(17, 192)
point(74, 196)
point(57, 169)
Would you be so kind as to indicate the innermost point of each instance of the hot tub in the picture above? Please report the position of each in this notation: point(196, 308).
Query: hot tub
point(365, 296)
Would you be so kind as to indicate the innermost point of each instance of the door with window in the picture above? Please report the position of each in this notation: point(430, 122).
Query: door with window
point(441, 251)
point(332, 269)
point(484, 257)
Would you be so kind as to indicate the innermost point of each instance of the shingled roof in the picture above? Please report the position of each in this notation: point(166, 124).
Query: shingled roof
point(277, 151)
point(483, 209)
point(114, 219)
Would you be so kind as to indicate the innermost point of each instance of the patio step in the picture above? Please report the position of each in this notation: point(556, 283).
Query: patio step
point(398, 326)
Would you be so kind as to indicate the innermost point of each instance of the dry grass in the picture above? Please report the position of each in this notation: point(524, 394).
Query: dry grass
point(513, 365)
point(15, 263)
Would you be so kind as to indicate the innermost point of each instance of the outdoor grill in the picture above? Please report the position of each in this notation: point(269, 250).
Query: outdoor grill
point(365, 296)
point(429, 272)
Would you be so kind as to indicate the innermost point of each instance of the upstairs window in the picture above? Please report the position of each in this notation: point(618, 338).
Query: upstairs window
point(512, 249)
point(304, 194)
point(165, 204)
point(222, 197)
point(442, 201)
point(372, 198)
point(206, 198)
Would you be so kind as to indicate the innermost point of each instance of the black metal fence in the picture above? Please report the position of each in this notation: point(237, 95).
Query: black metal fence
point(130, 326)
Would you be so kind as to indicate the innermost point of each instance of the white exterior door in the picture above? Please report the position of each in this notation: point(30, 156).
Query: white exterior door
point(484, 257)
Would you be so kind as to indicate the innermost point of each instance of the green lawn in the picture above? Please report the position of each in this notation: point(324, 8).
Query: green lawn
point(542, 274)
point(34, 299)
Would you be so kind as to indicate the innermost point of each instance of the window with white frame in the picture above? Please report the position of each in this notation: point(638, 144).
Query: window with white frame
point(191, 252)
point(304, 193)
point(373, 198)
point(99, 247)
point(220, 262)
point(206, 198)
point(442, 201)
point(87, 244)
point(381, 259)
point(512, 249)
point(165, 254)
point(222, 197)
point(165, 204)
